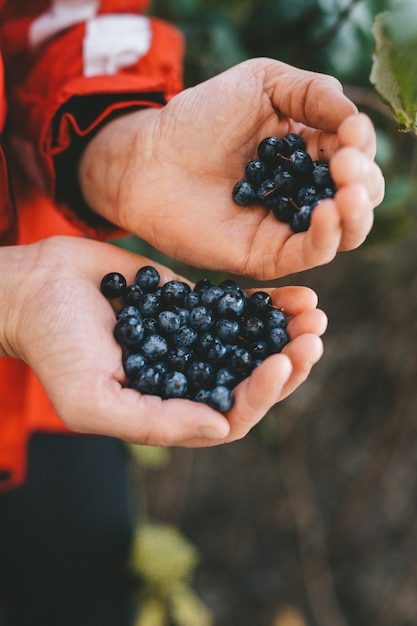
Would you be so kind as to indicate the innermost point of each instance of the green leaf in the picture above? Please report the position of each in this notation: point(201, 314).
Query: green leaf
point(394, 68)
point(186, 609)
point(150, 457)
point(162, 555)
point(152, 613)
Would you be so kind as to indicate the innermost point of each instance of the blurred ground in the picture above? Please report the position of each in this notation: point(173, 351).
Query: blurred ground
point(311, 520)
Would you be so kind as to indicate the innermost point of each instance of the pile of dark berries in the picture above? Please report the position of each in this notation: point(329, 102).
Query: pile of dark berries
point(285, 180)
point(198, 343)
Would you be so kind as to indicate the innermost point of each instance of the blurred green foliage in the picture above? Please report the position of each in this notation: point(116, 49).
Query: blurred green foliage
point(165, 561)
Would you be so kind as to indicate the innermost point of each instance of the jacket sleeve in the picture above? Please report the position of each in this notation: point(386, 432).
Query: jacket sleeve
point(69, 68)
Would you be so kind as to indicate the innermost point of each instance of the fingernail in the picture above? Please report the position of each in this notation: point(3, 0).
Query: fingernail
point(212, 432)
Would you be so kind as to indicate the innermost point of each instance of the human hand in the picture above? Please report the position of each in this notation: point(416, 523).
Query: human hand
point(59, 323)
point(167, 174)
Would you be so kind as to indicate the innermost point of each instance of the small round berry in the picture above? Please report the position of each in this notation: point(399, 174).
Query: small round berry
point(243, 193)
point(184, 336)
point(168, 321)
point(191, 300)
point(301, 163)
point(147, 278)
point(269, 149)
point(200, 375)
point(211, 296)
point(203, 284)
point(221, 399)
point(301, 220)
point(307, 195)
point(229, 284)
point(226, 378)
point(227, 330)
point(128, 332)
point(321, 174)
point(258, 350)
point(239, 360)
point(231, 305)
point(174, 291)
point(277, 339)
point(285, 183)
point(266, 192)
point(260, 302)
point(128, 311)
point(255, 172)
point(150, 304)
point(133, 295)
point(183, 314)
point(133, 364)
point(216, 351)
point(283, 209)
point(252, 328)
point(275, 318)
point(148, 381)
point(201, 318)
point(113, 285)
point(154, 347)
point(174, 385)
point(292, 142)
point(179, 358)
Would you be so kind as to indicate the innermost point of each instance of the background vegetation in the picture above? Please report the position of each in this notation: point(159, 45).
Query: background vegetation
point(309, 521)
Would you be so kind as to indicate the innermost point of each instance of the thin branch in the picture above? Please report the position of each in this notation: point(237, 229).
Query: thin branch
point(328, 35)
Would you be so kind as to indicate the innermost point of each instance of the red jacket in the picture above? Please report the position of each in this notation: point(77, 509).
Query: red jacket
point(68, 65)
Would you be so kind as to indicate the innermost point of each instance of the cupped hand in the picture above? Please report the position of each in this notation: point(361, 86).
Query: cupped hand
point(62, 326)
point(167, 174)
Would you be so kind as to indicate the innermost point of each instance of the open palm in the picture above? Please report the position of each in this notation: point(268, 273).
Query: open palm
point(62, 326)
point(175, 188)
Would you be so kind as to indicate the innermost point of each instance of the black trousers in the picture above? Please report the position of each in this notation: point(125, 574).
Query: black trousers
point(65, 535)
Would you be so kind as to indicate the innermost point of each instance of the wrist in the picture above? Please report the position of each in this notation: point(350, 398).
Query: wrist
point(121, 149)
point(17, 267)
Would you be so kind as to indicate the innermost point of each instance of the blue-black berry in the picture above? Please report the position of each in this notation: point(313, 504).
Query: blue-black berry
point(243, 192)
point(128, 331)
point(285, 180)
point(113, 285)
point(174, 385)
point(147, 277)
point(220, 398)
point(199, 343)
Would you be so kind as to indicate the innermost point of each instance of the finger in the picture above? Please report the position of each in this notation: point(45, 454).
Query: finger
point(358, 131)
point(99, 258)
point(314, 99)
point(317, 246)
point(322, 240)
point(355, 131)
point(356, 212)
point(255, 395)
point(349, 165)
point(146, 419)
point(304, 351)
point(272, 381)
point(292, 300)
point(313, 321)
